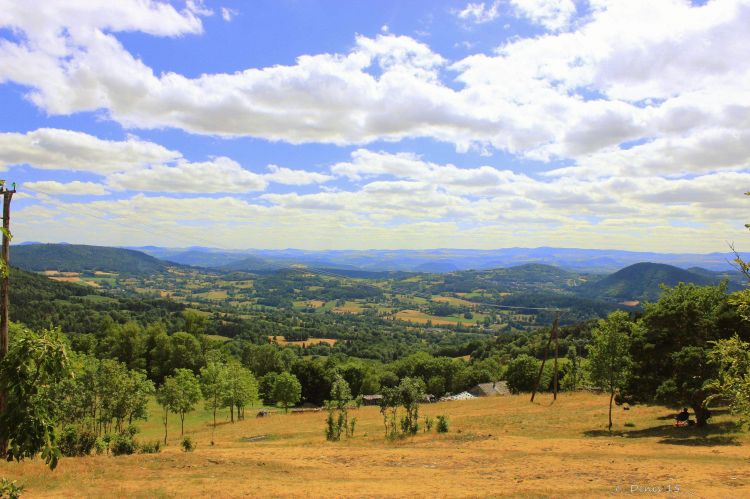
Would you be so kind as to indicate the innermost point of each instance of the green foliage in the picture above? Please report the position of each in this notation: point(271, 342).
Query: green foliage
point(123, 444)
point(442, 424)
point(10, 490)
point(81, 258)
point(33, 364)
point(153, 447)
point(101, 445)
point(287, 390)
point(521, 374)
point(411, 394)
point(213, 382)
point(241, 388)
point(187, 444)
point(670, 350)
point(184, 393)
point(76, 441)
point(609, 360)
point(338, 410)
point(429, 422)
point(732, 383)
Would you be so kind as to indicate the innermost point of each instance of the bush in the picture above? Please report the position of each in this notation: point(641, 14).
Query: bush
point(101, 445)
point(9, 489)
point(521, 374)
point(428, 422)
point(123, 444)
point(150, 447)
point(75, 441)
point(630, 424)
point(187, 444)
point(442, 424)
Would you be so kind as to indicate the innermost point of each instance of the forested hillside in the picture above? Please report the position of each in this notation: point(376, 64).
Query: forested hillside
point(83, 258)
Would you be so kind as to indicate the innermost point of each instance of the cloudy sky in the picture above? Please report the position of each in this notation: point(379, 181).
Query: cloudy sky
point(378, 124)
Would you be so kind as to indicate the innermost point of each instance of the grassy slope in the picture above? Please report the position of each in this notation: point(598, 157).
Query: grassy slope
point(499, 446)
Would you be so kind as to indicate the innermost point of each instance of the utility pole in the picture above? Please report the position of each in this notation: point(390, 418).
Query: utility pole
point(552, 336)
point(5, 291)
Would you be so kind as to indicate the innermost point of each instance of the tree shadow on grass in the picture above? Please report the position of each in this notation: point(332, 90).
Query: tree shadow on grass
point(713, 435)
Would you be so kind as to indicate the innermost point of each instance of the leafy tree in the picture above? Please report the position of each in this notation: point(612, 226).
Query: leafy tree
point(168, 398)
point(521, 374)
point(732, 356)
point(186, 352)
point(609, 360)
point(287, 390)
point(574, 371)
point(670, 351)
point(338, 409)
point(213, 381)
point(241, 389)
point(411, 394)
point(188, 393)
point(33, 364)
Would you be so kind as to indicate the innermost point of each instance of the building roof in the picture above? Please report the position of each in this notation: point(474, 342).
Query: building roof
point(490, 389)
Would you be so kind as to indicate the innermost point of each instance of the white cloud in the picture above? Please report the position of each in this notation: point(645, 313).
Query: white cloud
point(480, 12)
point(57, 149)
point(552, 14)
point(75, 188)
point(218, 175)
point(228, 14)
point(287, 176)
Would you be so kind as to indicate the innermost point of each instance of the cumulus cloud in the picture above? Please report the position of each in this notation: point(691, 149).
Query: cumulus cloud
point(287, 176)
point(74, 188)
point(615, 76)
point(57, 149)
point(218, 175)
point(552, 14)
point(480, 12)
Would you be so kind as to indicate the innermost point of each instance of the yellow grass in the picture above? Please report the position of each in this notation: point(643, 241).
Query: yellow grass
point(349, 307)
point(61, 274)
point(310, 341)
point(65, 279)
point(422, 318)
point(502, 446)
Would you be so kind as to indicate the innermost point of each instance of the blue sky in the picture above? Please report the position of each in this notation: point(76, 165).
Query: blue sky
point(377, 124)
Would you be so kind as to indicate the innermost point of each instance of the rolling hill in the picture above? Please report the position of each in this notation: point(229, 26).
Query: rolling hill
point(643, 281)
point(83, 258)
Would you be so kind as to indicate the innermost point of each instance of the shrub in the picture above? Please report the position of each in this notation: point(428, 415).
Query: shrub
point(187, 444)
point(75, 441)
point(352, 426)
point(10, 489)
point(428, 422)
point(101, 445)
point(150, 447)
point(123, 444)
point(442, 424)
point(630, 424)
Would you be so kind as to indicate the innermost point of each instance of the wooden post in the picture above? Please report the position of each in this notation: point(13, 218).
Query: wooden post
point(5, 298)
point(553, 334)
point(557, 354)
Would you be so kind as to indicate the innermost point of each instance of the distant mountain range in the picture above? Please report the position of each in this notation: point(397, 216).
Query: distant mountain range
point(437, 260)
point(493, 269)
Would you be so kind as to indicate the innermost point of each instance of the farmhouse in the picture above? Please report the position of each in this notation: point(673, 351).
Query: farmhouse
point(371, 399)
point(490, 389)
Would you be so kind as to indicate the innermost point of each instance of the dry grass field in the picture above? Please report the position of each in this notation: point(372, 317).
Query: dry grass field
point(504, 446)
point(308, 342)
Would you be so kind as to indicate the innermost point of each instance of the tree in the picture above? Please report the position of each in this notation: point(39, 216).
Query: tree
point(33, 365)
point(411, 394)
point(213, 382)
point(338, 405)
point(732, 356)
point(188, 393)
point(287, 390)
point(241, 389)
point(168, 396)
point(609, 360)
point(521, 374)
point(670, 350)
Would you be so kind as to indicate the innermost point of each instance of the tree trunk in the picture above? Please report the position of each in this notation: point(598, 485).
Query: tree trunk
point(166, 421)
point(701, 414)
point(182, 424)
point(611, 399)
point(231, 412)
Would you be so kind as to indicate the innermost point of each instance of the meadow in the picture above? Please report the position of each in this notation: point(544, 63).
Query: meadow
point(501, 446)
